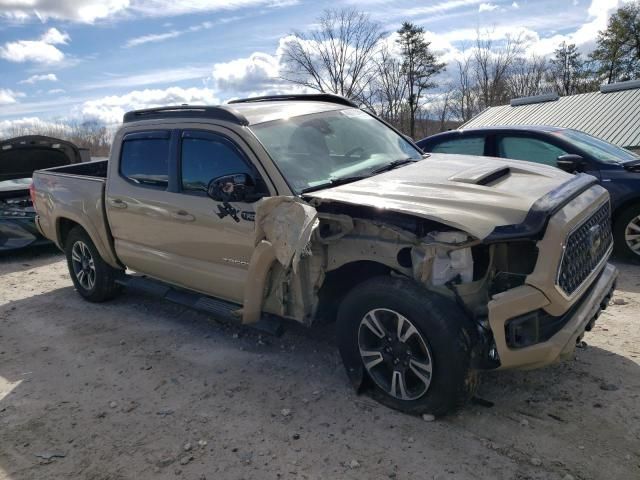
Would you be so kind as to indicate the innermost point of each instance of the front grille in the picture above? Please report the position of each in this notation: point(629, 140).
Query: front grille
point(585, 248)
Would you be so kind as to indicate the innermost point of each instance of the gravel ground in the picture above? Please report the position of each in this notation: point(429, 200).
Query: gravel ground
point(138, 388)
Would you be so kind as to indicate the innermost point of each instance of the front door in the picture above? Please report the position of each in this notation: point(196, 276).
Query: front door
point(212, 242)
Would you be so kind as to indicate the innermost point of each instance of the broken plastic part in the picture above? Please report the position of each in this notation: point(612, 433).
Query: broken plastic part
point(287, 223)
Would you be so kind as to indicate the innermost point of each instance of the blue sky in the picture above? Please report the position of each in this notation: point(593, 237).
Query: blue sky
point(94, 59)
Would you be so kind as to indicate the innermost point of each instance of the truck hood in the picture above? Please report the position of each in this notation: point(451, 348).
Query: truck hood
point(473, 194)
point(21, 156)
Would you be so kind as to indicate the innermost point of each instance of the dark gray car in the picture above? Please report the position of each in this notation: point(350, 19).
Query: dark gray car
point(19, 157)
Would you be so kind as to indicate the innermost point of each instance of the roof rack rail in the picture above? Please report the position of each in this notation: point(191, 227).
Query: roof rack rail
point(310, 97)
point(220, 112)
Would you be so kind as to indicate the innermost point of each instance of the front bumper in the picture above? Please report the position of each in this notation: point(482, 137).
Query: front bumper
point(19, 233)
point(524, 299)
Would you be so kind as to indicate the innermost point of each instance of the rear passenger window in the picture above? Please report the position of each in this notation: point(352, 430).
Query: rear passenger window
point(530, 149)
point(206, 158)
point(463, 146)
point(145, 159)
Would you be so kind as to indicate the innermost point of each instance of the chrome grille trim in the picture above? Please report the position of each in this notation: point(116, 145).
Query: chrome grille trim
point(584, 250)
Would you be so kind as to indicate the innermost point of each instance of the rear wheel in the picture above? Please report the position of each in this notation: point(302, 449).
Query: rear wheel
point(93, 278)
point(626, 233)
point(412, 345)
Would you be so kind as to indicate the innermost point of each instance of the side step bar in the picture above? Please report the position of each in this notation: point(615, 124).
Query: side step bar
point(220, 309)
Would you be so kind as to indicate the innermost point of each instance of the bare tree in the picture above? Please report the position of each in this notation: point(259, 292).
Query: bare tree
point(527, 76)
point(464, 101)
point(386, 95)
point(337, 57)
point(492, 65)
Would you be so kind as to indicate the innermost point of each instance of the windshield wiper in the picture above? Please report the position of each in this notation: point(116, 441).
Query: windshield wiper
point(334, 182)
point(392, 165)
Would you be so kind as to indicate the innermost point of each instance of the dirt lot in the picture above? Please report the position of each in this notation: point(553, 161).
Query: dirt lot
point(137, 388)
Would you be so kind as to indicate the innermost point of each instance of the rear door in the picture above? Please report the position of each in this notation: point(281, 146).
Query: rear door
point(462, 145)
point(139, 210)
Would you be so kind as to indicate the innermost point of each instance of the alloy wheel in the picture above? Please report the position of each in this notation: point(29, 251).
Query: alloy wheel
point(83, 265)
point(632, 235)
point(395, 354)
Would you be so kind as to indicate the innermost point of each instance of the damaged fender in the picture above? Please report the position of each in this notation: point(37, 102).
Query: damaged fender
point(284, 226)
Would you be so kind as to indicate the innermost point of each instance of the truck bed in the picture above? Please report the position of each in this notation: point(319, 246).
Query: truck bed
point(74, 194)
point(97, 169)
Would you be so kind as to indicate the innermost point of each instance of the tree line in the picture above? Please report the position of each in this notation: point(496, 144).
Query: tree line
point(402, 80)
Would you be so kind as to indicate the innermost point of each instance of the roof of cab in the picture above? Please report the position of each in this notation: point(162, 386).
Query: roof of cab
point(249, 111)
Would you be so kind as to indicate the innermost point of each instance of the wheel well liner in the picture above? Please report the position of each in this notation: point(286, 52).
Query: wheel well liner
point(339, 282)
point(64, 226)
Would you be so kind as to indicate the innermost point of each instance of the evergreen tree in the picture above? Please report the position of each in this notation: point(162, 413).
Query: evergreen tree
point(419, 65)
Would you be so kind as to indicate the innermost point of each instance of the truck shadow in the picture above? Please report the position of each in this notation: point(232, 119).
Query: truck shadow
point(26, 258)
point(117, 388)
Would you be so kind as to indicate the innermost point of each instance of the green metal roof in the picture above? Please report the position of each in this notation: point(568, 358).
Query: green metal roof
point(613, 116)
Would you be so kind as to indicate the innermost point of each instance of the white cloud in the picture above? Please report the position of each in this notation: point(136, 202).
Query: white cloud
point(89, 11)
point(76, 10)
point(8, 96)
point(42, 50)
point(258, 72)
point(439, 7)
point(585, 35)
point(49, 77)
point(152, 77)
point(152, 38)
point(161, 37)
point(109, 110)
point(515, 5)
point(487, 7)
point(55, 91)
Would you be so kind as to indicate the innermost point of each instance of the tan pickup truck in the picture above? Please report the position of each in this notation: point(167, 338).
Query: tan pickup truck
point(307, 208)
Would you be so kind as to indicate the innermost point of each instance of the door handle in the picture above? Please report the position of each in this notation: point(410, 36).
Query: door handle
point(183, 216)
point(117, 203)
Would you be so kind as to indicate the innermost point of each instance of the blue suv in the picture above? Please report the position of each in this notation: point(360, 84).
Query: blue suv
point(617, 169)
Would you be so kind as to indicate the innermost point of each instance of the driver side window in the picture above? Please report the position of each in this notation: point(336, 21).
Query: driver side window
point(207, 156)
point(529, 149)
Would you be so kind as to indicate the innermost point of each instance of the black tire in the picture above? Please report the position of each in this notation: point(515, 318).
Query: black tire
point(103, 287)
point(441, 324)
point(627, 220)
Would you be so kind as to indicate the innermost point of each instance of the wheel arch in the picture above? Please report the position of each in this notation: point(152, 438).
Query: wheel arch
point(340, 281)
point(64, 225)
point(627, 203)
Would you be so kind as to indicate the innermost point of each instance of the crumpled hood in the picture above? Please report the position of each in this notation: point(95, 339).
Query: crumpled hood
point(473, 194)
point(21, 156)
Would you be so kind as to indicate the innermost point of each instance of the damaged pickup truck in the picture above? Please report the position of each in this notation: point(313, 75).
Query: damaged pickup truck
point(307, 208)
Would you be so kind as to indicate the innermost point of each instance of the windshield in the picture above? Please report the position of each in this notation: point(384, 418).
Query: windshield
point(318, 149)
point(603, 151)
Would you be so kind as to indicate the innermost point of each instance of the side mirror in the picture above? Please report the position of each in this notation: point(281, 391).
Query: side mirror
point(570, 163)
point(237, 187)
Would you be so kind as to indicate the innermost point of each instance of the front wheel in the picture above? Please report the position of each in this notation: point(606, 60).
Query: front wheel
point(412, 345)
point(93, 278)
point(626, 233)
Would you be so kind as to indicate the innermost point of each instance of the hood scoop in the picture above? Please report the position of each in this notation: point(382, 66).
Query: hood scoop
point(482, 174)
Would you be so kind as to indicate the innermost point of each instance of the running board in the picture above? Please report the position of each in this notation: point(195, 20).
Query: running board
point(220, 309)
